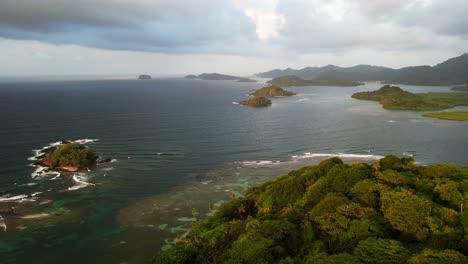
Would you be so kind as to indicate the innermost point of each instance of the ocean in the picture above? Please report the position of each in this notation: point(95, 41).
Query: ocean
point(177, 146)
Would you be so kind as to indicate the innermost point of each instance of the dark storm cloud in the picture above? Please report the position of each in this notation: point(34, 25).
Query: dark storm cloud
point(132, 25)
point(221, 26)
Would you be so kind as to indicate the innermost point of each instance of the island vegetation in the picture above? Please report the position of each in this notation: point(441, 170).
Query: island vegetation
point(144, 77)
point(219, 77)
point(456, 115)
point(463, 88)
point(257, 101)
point(272, 90)
point(391, 211)
point(392, 97)
point(69, 157)
point(293, 80)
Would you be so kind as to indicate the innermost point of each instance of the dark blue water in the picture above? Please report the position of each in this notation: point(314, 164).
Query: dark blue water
point(166, 132)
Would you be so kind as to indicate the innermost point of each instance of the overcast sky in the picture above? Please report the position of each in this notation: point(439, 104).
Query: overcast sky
point(68, 37)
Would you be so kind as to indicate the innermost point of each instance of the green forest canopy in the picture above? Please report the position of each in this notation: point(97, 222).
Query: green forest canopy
point(392, 97)
point(71, 155)
point(389, 212)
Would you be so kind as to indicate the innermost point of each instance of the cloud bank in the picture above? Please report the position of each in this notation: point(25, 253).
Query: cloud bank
point(275, 30)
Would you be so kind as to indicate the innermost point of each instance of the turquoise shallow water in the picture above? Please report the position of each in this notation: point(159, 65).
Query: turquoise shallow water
point(178, 144)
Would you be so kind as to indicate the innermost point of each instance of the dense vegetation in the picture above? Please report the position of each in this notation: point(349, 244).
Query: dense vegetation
point(389, 212)
point(292, 80)
point(272, 91)
point(70, 155)
point(461, 88)
point(257, 101)
point(392, 97)
point(452, 71)
point(456, 115)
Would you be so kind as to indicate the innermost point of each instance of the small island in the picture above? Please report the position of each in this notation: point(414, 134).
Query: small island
point(463, 88)
point(394, 98)
point(456, 115)
point(292, 80)
point(69, 157)
point(219, 77)
point(272, 91)
point(144, 77)
point(257, 101)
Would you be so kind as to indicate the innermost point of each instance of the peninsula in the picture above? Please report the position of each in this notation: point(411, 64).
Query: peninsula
point(394, 98)
point(272, 90)
point(292, 80)
point(456, 115)
point(219, 77)
point(463, 88)
point(389, 212)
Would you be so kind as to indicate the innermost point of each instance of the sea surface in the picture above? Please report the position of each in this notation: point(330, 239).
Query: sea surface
point(177, 146)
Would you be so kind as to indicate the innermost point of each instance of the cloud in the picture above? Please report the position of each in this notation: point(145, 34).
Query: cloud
point(268, 33)
point(343, 25)
point(161, 25)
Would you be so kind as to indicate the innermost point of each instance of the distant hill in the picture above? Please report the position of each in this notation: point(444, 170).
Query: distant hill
point(218, 77)
point(291, 80)
point(451, 72)
point(310, 73)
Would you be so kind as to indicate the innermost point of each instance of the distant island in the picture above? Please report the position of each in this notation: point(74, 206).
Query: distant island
point(456, 115)
point(394, 98)
point(257, 101)
point(144, 77)
point(272, 91)
point(244, 79)
point(69, 157)
point(292, 80)
point(390, 212)
point(463, 88)
point(219, 77)
point(451, 72)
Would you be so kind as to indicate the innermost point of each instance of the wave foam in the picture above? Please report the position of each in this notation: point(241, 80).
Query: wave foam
point(13, 198)
point(259, 162)
point(85, 140)
point(339, 155)
point(42, 172)
point(302, 100)
point(81, 182)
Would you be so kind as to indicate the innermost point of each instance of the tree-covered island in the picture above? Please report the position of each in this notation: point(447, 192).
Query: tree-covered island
point(69, 157)
point(272, 91)
point(389, 212)
point(256, 101)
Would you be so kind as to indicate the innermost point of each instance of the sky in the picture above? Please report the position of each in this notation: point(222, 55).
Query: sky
point(175, 37)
